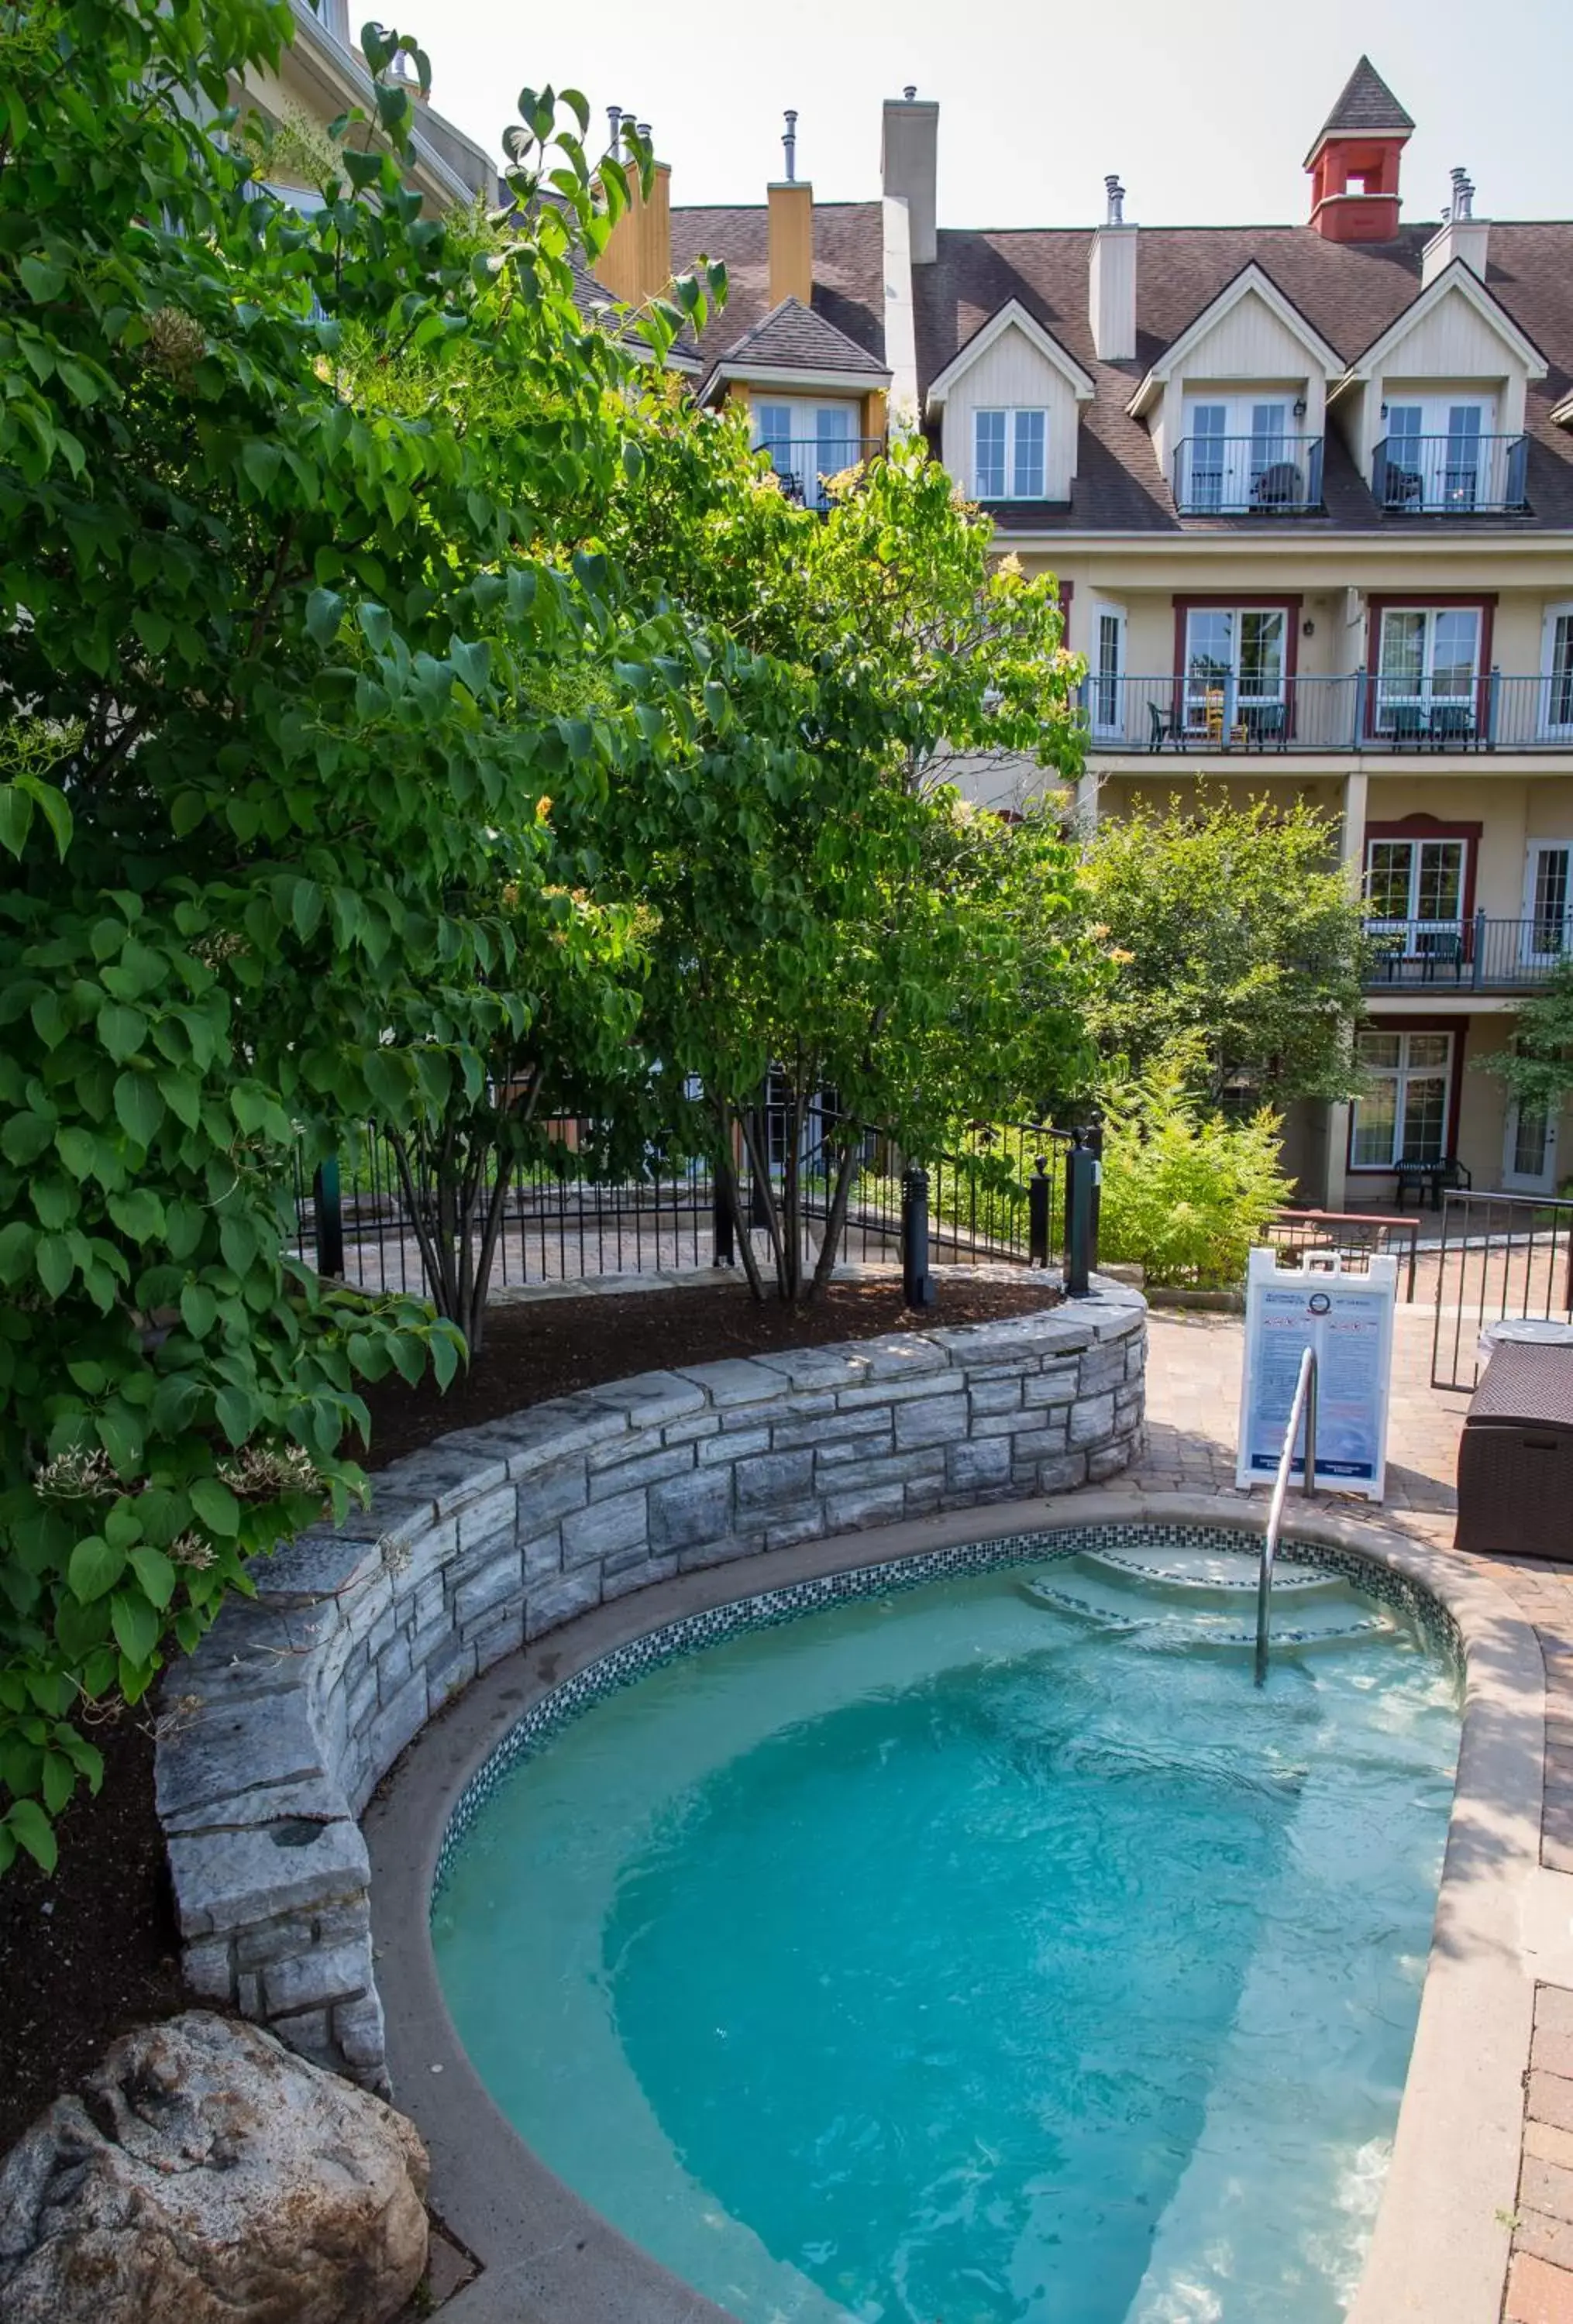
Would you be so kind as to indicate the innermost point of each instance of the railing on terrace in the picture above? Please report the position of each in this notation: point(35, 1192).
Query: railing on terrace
point(1490, 711)
point(1450, 475)
point(805, 465)
point(1304, 1238)
point(1476, 954)
point(1248, 476)
point(1500, 1256)
point(997, 1196)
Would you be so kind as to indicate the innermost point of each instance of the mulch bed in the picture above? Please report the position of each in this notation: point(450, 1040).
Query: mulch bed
point(536, 1349)
point(93, 1950)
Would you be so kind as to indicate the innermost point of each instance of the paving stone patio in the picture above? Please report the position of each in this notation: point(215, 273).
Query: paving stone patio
point(1193, 1394)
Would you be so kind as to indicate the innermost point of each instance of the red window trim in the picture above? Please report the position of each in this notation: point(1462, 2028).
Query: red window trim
point(1421, 601)
point(1459, 1029)
point(1238, 601)
point(1428, 826)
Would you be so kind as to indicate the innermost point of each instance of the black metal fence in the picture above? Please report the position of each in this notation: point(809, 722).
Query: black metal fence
point(1355, 1237)
point(1499, 1255)
point(997, 1193)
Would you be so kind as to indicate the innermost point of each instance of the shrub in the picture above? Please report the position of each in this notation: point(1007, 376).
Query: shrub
point(1186, 1193)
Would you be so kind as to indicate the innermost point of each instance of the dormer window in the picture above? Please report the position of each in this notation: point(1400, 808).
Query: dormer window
point(1010, 451)
point(1441, 454)
point(1245, 453)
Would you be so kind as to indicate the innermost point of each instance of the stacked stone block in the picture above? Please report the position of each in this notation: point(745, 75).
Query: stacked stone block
point(299, 1700)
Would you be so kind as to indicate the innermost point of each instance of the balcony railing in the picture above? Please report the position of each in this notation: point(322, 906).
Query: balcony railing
point(1486, 711)
point(805, 466)
point(1248, 476)
point(1450, 475)
point(1476, 954)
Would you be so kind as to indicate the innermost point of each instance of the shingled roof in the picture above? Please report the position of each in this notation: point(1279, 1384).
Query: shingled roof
point(1367, 107)
point(793, 337)
point(848, 270)
point(1348, 293)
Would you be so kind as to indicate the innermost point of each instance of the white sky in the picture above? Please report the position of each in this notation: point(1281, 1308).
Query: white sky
point(1205, 112)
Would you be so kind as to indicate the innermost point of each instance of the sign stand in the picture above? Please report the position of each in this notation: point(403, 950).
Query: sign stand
point(1347, 1319)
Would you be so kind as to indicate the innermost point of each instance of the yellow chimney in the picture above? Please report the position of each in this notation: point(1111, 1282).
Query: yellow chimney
point(637, 264)
point(792, 242)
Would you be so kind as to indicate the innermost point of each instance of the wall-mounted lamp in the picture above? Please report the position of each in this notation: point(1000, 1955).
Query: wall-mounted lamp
point(1300, 407)
point(1308, 628)
point(1385, 411)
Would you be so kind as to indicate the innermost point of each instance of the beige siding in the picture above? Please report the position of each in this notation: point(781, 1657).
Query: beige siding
point(1011, 373)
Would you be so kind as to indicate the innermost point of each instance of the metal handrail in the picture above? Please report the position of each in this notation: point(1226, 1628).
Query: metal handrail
point(1305, 1401)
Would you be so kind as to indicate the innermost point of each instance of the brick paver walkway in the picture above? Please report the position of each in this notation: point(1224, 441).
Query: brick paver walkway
point(1192, 1416)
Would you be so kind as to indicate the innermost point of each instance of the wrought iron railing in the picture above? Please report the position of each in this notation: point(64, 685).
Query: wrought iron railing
point(1248, 476)
point(805, 465)
point(1473, 955)
point(1499, 1256)
point(1202, 711)
point(995, 1194)
point(1450, 475)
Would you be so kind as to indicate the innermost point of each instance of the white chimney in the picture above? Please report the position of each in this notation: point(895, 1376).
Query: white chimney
point(909, 167)
point(1111, 281)
point(1461, 234)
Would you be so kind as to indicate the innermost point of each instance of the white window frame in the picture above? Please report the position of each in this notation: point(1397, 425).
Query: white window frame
point(1523, 1181)
point(1533, 955)
point(1194, 694)
point(1011, 413)
point(1553, 684)
point(1413, 917)
point(1402, 1074)
point(1425, 698)
point(1436, 413)
point(804, 415)
point(1239, 468)
point(1108, 689)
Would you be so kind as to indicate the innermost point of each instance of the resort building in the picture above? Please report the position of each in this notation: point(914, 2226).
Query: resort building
point(1308, 492)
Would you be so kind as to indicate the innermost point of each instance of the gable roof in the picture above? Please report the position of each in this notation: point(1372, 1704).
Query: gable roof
point(1349, 293)
point(1456, 279)
point(1012, 316)
point(1366, 107)
point(792, 340)
point(1252, 281)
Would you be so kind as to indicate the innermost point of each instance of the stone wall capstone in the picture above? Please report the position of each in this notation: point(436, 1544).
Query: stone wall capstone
point(278, 1728)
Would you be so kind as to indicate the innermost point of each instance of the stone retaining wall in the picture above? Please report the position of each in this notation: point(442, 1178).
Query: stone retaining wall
point(297, 1703)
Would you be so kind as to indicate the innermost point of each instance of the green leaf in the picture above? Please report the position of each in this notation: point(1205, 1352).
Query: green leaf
point(238, 1411)
point(41, 278)
point(135, 1625)
point(29, 1828)
point(376, 624)
point(261, 462)
point(217, 1506)
point(96, 1566)
point(138, 1106)
point(155, 1573)
point(324, 612)
point(25, 1137)
point(54, 1262)
point(16, 819)
point(121, 1031)
point(139, 1214)
point(198, 1310)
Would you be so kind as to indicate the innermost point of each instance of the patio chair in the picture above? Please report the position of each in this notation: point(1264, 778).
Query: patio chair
point(1280, 486)
point(1405, 722)
point(1266, 722)
point(1163, 726)
point(1451, 722)
point(1406, 489)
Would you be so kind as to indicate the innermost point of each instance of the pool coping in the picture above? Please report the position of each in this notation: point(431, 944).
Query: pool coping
point(1440, 2247)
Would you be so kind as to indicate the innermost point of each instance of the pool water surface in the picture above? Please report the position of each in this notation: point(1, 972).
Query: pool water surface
point(987, 1952)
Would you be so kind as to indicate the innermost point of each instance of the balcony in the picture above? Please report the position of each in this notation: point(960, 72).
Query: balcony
point(1488, 712)
point(1248, 476)
point(1451, 475)
point(805, 466)
point(1465, 955)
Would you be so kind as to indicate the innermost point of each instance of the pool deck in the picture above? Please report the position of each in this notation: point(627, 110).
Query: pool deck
point(1193, 1393)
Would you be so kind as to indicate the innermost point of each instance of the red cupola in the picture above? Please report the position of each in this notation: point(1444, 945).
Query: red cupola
point(1353, 163)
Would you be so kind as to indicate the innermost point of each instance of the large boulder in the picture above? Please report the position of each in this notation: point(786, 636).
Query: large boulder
point(207, 2175)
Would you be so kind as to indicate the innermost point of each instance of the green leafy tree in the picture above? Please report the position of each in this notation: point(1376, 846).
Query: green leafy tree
point(291, 659)
point(821, 900)
point(1235, 925)
point(1539, 1066)
point(1185, 1192)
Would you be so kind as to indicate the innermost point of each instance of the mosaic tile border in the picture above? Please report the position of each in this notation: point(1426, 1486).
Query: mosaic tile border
point(624, 1666)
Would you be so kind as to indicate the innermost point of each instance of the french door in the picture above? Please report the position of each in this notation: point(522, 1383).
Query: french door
point(1529, 1148)
point(1547, 921)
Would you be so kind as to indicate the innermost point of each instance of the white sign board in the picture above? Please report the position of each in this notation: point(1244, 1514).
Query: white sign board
point(1347, 1319)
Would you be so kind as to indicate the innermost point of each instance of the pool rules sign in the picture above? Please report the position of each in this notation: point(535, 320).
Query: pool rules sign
point(1347, 1319)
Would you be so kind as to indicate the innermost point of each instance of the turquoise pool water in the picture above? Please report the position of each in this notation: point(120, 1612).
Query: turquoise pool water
point(988, 1953)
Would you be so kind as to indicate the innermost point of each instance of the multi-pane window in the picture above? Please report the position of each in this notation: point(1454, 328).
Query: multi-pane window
point(1556, 717)
point(1548, 900)
point(1109, 669)
point(1010, 455)
point(1437, 454)
point(1401, 1112)
point(1236, 667)
point(1415, 881)
point(1428, 669)
point(1238, 455)
point(807, 442)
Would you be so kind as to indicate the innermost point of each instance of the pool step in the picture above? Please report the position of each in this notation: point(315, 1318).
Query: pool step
point(1175, 1570)
point(1219, 1620)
